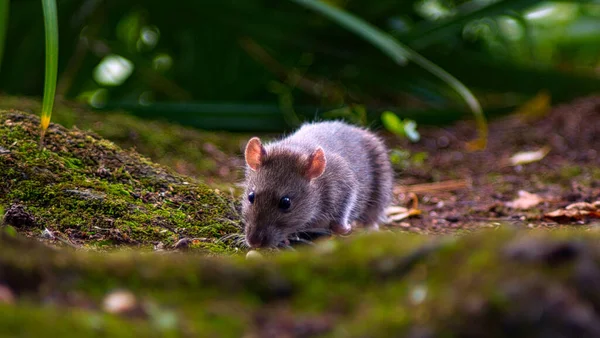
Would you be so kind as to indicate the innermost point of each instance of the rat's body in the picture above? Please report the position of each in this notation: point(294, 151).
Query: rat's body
point(326, 175)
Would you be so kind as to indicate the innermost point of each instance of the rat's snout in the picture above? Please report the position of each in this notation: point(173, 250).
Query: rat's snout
point(256, 238)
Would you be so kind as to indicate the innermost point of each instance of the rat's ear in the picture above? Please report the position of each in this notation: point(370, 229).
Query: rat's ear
point(316, 163)
point(254, 153)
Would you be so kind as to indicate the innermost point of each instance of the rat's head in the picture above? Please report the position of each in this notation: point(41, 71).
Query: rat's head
point(280, 196)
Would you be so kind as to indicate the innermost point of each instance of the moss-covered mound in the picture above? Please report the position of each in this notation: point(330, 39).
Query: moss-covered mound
point(495, 283)
point(202, 154)
point(86, 190)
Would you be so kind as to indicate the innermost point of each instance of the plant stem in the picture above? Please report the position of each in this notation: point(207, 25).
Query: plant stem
point(51, 33)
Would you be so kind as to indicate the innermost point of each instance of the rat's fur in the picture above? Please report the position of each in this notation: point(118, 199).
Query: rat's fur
point(356, 184)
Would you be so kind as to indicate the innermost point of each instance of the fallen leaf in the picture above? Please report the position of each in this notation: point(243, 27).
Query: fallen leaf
point(526, 200)
point(575, 212)
point(397, 213)
point(529, 156)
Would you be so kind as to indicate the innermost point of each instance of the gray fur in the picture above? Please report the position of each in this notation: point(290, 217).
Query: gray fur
point(355, 186)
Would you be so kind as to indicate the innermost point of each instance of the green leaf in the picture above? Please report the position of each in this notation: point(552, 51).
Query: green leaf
point(399, 127)
point(392, 123)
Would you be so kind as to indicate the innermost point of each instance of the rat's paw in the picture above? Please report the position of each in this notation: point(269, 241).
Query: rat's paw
point(340, 228)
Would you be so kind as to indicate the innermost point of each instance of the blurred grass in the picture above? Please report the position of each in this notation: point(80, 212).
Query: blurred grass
point(51, 65)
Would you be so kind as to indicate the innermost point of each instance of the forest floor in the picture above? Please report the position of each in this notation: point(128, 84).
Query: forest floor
point(532, 169)
point(87, 196)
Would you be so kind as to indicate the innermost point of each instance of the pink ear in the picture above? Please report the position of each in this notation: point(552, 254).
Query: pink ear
point(316, 164)
point(254, 153)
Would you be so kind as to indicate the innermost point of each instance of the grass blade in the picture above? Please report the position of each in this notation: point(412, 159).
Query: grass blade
point(51, 33)
point(382, 40)
point(400, 53)
point(4, 8)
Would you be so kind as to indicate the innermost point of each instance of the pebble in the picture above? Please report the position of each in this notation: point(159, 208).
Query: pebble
point(119, 302)
point(253, 254)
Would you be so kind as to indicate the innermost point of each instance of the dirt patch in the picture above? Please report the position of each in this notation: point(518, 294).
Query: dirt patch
point(486, 183)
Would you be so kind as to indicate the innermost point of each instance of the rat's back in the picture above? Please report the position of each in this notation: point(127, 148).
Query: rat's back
point(362, 152)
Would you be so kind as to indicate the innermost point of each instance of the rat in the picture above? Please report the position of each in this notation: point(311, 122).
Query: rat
point(327, 175)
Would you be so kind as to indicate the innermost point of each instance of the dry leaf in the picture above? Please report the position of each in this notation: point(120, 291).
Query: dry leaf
point(525, 201)
point(396, 213)
point(529, 156)
point(575, 212)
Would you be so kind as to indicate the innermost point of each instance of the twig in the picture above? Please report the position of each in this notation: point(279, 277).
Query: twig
point(435, 186)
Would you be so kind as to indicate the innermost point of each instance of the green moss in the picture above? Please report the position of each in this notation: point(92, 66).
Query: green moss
point(377, 285)
point(188, 151)
point(16, 322)
point(89, 190)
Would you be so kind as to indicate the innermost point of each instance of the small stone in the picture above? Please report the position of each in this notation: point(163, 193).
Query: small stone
point(103, 172)
point(119, 302)
point(85, 194)
point(4, 151)
point(17, 216)
point(253, 254)
point(183, 243)
point(452, 219)
point(418, 294)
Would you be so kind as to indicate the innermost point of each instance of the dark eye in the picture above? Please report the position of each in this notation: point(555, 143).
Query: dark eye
point(285, 203)
point(251, 197)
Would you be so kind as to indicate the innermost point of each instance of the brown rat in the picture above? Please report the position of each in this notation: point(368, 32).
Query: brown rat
point(326, 175)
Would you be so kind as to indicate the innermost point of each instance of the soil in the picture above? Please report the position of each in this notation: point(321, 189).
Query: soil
point(569, 173)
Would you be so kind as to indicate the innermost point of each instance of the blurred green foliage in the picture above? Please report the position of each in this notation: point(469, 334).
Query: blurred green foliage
point(262, 64)
point(51, 65)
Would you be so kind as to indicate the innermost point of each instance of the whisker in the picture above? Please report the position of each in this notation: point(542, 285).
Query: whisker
point(241, 242)
point(302, 240)
point(232, 222)
point(226, 237)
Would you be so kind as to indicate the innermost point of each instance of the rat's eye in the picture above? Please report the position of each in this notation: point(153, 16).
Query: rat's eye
point(285, 203)
point(251, 197)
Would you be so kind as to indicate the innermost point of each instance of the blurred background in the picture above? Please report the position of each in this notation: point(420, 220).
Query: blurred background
point(260, 65)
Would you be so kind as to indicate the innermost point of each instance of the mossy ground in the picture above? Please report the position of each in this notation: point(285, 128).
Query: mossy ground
point(490, 282)
point(211, 157)
point(88, 191)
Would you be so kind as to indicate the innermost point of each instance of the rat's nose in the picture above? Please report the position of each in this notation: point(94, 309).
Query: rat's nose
point(256, 239)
